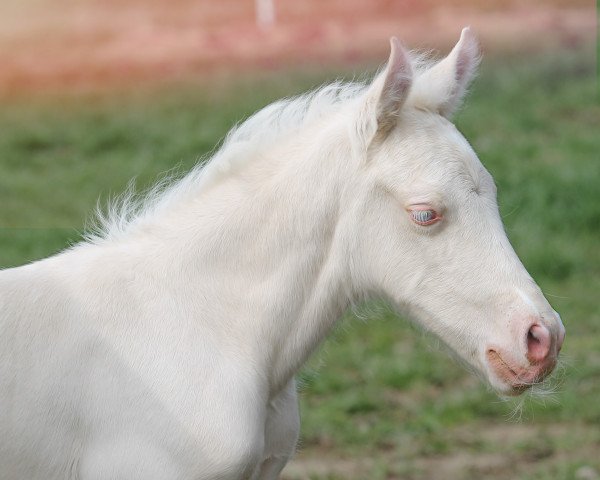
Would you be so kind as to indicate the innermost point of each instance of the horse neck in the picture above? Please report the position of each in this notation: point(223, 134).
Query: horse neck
point(265, 247)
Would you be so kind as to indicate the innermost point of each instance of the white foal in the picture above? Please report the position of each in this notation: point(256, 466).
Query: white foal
point(166, 346)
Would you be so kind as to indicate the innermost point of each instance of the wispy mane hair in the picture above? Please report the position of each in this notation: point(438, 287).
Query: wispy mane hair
point(284, 117)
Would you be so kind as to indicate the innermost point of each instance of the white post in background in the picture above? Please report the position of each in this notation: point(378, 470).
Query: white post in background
point(265, 13)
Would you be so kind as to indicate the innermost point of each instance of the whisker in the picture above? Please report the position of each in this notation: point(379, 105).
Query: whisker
point(512, 211)
point(556, 296)
point(543, 393)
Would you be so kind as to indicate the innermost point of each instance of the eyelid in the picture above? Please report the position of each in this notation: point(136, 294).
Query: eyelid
point(420, 206)
point(423, 207)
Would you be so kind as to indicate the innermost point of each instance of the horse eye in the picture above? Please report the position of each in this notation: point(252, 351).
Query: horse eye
point(424, 217)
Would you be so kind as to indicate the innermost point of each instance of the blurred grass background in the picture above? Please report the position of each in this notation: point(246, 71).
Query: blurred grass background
point(380, 401)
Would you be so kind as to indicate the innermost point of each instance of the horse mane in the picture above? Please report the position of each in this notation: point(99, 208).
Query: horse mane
point(239, 146)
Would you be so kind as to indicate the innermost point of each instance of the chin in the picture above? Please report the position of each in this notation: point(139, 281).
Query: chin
point(507, 389)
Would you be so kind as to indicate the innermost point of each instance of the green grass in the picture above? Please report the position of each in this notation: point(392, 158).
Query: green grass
point(380, 400)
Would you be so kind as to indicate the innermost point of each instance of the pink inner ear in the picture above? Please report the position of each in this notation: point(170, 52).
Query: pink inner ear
point(462, 66)
point(467, 55)
point(395, 87)
point(399, 77)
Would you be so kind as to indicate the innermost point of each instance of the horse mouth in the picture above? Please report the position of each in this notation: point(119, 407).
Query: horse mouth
point(517, 379)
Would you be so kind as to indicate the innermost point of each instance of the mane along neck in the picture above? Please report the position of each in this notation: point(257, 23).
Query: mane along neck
point(246, 141)
point(251, 246)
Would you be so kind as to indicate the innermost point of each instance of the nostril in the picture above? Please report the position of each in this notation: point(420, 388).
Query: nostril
point(538, 343)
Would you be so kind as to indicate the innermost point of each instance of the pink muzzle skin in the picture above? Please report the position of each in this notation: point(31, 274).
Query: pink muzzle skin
point(542, 354)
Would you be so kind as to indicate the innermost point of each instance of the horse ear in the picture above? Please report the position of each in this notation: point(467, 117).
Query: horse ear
point(386, 95)
point(442, 87)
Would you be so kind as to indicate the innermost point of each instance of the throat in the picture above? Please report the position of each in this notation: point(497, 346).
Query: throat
point(307, 326)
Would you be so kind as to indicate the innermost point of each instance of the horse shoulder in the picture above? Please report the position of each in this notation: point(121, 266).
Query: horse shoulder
point(121, 370)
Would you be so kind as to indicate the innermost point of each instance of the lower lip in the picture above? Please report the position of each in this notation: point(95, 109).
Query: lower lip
point(511, 379)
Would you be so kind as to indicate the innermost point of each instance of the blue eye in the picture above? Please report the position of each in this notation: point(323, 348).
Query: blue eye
point(424, 217)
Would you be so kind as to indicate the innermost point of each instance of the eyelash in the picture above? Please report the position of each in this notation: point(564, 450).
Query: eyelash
point(424, 217)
